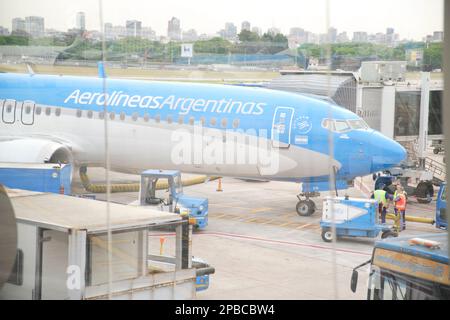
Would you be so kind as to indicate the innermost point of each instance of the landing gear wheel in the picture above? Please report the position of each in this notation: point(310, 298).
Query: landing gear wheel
point(424, 193)
point(305, 208)
point(389, 234)
point(327, 235)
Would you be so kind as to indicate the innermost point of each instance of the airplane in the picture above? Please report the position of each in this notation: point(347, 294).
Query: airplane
point(53, 118)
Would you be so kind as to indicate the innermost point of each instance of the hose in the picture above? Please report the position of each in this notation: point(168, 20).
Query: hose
point(412, 219)
point(134, 186)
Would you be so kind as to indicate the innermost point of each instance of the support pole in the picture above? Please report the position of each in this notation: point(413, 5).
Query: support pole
point(423, 118)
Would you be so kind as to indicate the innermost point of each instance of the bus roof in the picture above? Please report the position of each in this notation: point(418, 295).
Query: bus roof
point(402, 245)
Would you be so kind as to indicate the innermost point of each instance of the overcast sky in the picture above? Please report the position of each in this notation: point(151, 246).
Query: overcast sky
point(412, 19)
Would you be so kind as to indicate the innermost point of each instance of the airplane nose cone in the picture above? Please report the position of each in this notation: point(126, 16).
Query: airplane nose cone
point(386, 153)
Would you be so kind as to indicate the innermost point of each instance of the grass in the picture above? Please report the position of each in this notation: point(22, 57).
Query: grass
point(150, 74)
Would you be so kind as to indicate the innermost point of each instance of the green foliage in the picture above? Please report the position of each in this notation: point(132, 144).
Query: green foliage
point(432, 56)
point(248, 36)
point(215, 45)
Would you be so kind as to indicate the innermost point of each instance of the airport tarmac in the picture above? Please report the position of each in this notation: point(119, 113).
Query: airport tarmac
point(261, 248)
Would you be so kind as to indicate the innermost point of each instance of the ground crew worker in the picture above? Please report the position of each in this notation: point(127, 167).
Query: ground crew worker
point(400, 206)
point(382, 198)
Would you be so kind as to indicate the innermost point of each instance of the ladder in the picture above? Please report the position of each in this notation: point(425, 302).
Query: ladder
point(437, 169)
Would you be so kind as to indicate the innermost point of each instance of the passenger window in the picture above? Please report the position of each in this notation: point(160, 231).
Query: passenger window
point(90, 114)
point(203, 121)
point(157, 118)
point(112, 115)
point(341, 125)
point(122, 116)
point(38, 110)
point(48, 111)
point(180, 120)
point(169, 119)
point(146, 117)
point(28, 110)
point(235, 123)
point(57, 111)
point(191, 121)
point(135, 116)
point(224, 122)
point(101, 115)
point(79, 113)
point(213, 122)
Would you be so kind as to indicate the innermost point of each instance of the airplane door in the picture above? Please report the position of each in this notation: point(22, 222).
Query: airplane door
point(9, 111)
point(281, 127)
point(27, 112)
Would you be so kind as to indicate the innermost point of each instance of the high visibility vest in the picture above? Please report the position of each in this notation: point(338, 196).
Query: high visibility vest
point(380, 196)
point(400, 204)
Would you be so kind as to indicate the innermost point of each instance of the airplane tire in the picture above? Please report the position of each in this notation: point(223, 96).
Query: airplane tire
point(305, 208)
point(388, 234)
point(424, 192)
point(327, 235)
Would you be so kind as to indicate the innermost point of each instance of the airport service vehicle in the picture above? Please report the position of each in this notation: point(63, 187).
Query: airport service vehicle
point(418, 183)
point(41, 177)
point(220, 130)
point(408, 268)
point(441, 207)
point(169, 196)
point(353, 217)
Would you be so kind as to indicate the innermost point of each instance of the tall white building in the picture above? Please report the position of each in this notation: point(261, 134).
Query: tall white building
point(245, 26)
point(134, 28)
point(174, 29)
point(34, 26)
point(230, 31)
point(18, 25)
point(80, 21)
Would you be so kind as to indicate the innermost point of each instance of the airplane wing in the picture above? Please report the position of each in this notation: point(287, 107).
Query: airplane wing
point(35, 150)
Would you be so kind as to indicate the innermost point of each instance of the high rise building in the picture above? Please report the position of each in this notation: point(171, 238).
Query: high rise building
point(80, 23)
point(230, 31)
point(332, 35)
point(4, 31)
point(174, 29)
point(148, 33)
point(34, 26)
point(134, 28)
point(273, 31)
point(390, 36)
point(18, 25)
point(360, 36)
point(245, 26)
point(190, 35)
point(438, 36)
point(257, 30)
point(342, 37)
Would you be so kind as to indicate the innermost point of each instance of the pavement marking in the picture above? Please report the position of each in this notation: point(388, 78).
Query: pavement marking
point(260, 210)
point(303, 226)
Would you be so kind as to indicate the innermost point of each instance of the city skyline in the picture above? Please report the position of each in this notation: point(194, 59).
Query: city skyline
point(427, 15)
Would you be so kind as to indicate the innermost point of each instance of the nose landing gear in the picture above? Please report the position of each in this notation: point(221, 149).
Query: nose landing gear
point(305, 206)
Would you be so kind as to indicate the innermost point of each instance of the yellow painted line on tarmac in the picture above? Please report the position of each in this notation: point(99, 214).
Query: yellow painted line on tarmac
point(303, 226)
point(260, 210)
point(286, 224)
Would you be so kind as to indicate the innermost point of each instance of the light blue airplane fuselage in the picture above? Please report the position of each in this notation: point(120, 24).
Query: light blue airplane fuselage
point(307, 132)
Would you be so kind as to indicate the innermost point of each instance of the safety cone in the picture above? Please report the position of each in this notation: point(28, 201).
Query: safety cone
point(161, 245)
point(219, 186)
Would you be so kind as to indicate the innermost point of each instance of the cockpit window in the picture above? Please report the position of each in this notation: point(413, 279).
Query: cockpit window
point(341, 126)
point(328, 124)
point(358, 124)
